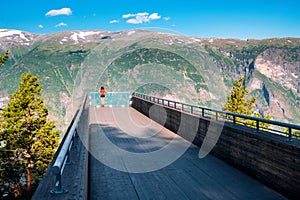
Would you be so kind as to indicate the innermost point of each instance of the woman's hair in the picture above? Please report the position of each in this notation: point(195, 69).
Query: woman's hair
point(102, 88)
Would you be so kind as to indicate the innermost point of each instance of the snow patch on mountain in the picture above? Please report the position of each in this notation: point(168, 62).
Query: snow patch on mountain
point(83, 35)
point(130, 33)
point(13, 34)
point(88, 33)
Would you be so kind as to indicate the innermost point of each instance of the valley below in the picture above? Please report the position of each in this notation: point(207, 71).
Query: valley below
point(194, 70)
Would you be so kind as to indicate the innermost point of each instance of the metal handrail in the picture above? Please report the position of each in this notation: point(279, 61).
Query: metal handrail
point(63, 156)
point(233, 117)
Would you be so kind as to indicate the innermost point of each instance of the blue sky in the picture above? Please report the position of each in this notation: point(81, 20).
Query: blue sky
point(202, 18)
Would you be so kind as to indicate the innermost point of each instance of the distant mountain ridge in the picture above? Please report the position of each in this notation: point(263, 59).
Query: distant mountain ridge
point(190, 69)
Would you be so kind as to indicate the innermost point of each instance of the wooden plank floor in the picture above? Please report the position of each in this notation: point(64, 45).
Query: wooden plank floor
point(116, 132)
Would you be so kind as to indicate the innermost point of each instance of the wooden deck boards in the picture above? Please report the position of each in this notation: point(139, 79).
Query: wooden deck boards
point(187, 178)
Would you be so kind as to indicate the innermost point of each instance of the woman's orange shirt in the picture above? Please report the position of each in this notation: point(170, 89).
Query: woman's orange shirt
point(102, 92)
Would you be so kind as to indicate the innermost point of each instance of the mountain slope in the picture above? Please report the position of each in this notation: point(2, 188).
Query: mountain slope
point(193, 70)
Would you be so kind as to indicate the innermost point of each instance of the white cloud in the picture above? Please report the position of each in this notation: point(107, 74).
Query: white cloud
point(63, 11)
point(154, 16)
point(140, 18)
point(133, 21)
point(114, 21)
point(128, 15)
point(40, 26)
point(61, 24)
point(167, 18)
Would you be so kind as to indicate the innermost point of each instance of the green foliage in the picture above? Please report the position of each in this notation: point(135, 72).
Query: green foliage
point(237, 102)
point(30, 138)
point(3, 58)
point(290, 97)
point(219, 56)
point(291, 54)
point(154, 89)
point(250, 51)
point(262, 125)
point(57, 66)
point(142, 56)
point(227, 82)
point(296, 134)
point(199, 86)
point(196, 78)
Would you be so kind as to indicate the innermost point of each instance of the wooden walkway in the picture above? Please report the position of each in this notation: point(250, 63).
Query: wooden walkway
point(116, 134)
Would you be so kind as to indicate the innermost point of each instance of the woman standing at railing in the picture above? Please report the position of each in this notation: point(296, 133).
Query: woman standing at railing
point(102, 95)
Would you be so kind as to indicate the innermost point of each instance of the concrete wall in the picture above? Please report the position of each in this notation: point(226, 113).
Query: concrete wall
point(268, 158)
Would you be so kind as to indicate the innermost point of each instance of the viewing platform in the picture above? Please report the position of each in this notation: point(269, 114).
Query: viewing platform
point(137, 148)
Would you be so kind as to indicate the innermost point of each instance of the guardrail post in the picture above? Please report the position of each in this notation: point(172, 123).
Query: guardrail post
point(217, 115)
point(58, 188)
point(192, 109)
point(257, 125)
point(290, 134)
point(202, 112)
point(234, 120)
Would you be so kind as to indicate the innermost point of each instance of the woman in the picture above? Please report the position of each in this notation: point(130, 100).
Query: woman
point(102, 95)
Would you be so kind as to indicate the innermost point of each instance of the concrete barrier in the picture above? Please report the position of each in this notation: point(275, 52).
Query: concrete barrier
point(271, 159)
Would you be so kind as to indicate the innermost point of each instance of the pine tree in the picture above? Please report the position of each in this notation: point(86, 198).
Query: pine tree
point(237, 102)
point(30, 138)
point(3, 58)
